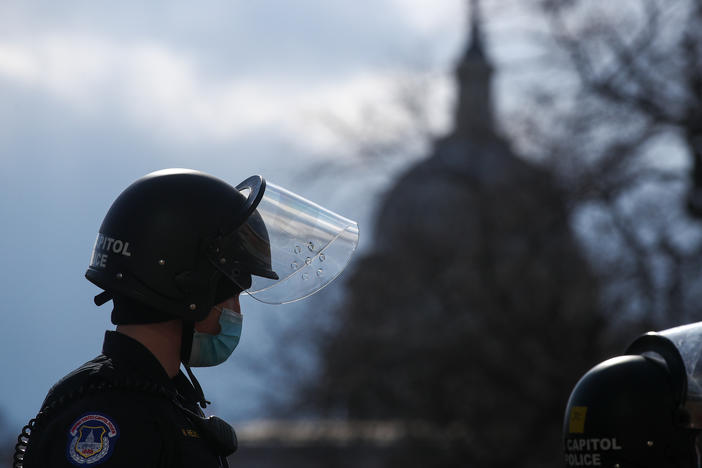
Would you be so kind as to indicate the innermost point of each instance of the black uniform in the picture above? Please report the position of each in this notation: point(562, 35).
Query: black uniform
point(121, 409)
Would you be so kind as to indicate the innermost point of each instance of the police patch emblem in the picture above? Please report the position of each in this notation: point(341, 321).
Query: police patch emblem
point(91, 439)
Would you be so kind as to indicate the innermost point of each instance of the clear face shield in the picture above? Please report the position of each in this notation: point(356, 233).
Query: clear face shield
point(681, 349)
point(290, 246)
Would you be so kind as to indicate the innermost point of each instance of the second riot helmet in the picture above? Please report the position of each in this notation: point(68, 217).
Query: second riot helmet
point(628, 412)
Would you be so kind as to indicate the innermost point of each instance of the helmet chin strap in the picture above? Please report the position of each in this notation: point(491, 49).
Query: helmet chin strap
point(186, 344)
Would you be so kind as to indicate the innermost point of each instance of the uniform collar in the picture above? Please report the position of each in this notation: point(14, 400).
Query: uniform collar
point(136, 358)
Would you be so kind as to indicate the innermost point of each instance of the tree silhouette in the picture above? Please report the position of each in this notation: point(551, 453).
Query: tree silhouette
point(478, 309)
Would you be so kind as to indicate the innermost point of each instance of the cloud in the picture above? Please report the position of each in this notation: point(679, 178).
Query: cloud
point(430, 16)
point(163, 91)
point(266, 35)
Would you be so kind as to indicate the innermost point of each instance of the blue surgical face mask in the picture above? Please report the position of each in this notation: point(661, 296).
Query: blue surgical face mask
point(211, 350)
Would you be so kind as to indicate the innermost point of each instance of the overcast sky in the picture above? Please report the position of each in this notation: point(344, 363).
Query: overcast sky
point(94, 95)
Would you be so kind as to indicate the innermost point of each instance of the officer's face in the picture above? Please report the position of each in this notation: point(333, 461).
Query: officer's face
point(210, 324)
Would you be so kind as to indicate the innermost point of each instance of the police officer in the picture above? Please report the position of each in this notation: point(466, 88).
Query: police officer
point(639, 410)
point(174, 252)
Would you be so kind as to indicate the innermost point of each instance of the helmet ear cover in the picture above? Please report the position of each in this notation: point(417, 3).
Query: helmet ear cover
point(242, 253)
point(219, 279)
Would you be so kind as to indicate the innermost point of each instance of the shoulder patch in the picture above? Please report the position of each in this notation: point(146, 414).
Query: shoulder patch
point(91, 439)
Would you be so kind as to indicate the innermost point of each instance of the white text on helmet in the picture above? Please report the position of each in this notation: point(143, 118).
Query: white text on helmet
point(105, 245)
point(109, 244)
point(583, 459)
point(589, 445)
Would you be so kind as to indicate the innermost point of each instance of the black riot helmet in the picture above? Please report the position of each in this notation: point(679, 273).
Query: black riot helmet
point(175, 238)
point(179, 241)
point(628, 412)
